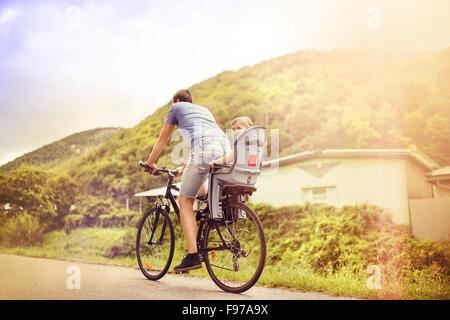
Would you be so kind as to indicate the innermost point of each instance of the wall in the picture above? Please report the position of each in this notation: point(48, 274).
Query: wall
point(430, 218)
point(417, 185)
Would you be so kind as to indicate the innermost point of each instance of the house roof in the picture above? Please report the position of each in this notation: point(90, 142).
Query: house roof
point(415, 155)
point(439, 174)
point(157, 192)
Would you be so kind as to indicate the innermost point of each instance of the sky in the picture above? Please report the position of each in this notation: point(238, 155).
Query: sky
point(69, 66)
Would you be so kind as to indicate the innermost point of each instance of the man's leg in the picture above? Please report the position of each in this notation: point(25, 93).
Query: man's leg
point(193, 177)
point(188, 223)
point(203, 190)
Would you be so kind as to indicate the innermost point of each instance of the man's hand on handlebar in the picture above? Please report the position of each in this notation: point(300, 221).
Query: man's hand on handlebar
point(152, 166)
point(152, 169)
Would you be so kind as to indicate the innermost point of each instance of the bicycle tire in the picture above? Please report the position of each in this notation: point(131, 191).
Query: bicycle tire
point(221, 278)
point(154, 267)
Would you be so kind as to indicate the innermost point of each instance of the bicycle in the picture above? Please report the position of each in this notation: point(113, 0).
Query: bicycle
point(233, 248)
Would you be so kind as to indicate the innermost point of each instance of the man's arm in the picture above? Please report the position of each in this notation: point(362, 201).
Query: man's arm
point(163, 138)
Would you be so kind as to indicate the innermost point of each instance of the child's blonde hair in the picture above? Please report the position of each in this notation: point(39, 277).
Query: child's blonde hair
point(243, 120)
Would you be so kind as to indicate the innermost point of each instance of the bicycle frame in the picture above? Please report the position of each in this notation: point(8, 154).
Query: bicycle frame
point(202, 218)
point(168, 195)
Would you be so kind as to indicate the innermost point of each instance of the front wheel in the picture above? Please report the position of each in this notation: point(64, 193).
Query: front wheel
point(155, 243)
point(235, 249)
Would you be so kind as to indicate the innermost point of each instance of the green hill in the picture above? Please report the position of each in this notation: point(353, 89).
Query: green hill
point(59, 154)
point(336, 99)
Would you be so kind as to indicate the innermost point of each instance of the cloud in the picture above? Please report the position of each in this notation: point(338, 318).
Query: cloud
point(8, 15)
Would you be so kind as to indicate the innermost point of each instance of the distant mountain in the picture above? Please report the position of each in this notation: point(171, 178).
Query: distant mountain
point(316, 100)
point(58, 155)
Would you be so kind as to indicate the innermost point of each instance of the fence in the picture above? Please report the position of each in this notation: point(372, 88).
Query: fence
point(430, 218)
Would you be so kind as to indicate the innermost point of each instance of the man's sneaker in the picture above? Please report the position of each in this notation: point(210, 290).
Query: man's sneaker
point(191, 261)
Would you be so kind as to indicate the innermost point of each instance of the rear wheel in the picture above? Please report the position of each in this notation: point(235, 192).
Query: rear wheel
point(236, 251)
point(155, 243)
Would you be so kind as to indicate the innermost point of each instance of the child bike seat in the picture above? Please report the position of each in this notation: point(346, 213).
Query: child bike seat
point(239, 177)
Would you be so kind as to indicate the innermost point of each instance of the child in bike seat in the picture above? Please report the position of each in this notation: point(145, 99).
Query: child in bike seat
point(238, 125)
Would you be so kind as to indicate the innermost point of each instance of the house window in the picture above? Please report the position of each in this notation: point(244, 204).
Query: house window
point(320, 195)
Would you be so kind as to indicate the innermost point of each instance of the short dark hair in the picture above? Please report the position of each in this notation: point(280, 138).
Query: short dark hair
point(182, 95)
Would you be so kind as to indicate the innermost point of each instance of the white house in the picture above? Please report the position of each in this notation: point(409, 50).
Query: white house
point(384, 177)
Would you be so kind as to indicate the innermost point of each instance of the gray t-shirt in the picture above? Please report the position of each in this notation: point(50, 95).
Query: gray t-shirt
point(196, 123)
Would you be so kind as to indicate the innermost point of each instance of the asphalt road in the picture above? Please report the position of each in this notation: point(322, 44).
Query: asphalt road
point(27, 278)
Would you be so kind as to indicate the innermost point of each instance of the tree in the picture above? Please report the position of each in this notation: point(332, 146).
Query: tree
point(42, 194)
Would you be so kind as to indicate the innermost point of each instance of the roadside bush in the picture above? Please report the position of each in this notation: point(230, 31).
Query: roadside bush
point(22, 230)
point(121, 218)
point(91, 208)
point(94, 212)
point(73, 221)
point(124, 247)
point(331, 239)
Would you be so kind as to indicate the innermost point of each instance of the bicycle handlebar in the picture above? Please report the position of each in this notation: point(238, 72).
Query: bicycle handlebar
point(158, 171)
point(174, 173)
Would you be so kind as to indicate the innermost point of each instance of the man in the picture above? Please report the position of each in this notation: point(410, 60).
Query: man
point(208, 142)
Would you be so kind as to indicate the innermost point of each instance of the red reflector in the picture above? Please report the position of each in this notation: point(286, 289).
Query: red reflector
point(252, 160)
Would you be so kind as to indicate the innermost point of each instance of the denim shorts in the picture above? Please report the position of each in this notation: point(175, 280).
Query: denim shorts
point(196, 171)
